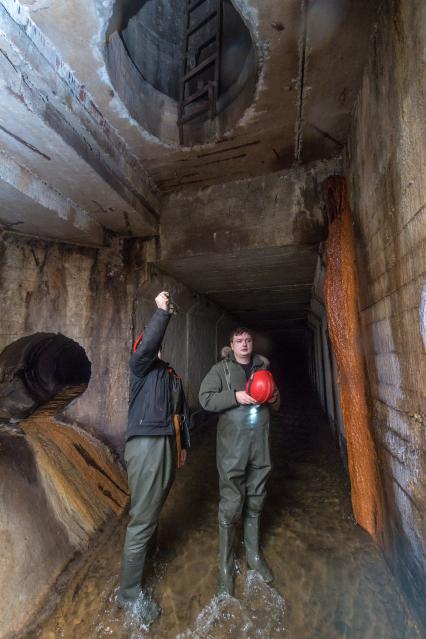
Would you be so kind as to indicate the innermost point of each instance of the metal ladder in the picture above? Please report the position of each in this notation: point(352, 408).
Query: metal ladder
point(197, 68)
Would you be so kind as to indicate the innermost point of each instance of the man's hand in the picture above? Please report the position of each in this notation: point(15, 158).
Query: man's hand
point(274, 397)
point(162, 300)
point(243, 398)
point(182, 458)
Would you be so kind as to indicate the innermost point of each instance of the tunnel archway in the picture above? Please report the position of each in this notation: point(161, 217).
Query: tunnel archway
point(33, 369)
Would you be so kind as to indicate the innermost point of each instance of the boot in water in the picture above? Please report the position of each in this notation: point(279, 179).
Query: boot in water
point(226, 560)
point(144, 607)
point(254, 557)
point(130, 595)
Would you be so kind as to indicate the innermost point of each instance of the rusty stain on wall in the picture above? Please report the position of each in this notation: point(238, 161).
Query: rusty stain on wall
point(82, 481)
point(341, 294)
point(60, 487)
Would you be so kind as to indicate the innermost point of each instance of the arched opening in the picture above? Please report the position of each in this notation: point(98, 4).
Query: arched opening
point(185, 71)
point(35, 368)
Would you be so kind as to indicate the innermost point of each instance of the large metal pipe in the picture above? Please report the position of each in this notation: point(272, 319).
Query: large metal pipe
point(34, 368)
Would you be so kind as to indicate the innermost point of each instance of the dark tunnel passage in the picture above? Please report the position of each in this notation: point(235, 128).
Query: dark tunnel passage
point(263, 162)
point(35, 368)
point(331, 580)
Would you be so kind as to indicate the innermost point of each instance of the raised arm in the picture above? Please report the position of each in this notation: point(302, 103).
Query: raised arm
point(147, 352)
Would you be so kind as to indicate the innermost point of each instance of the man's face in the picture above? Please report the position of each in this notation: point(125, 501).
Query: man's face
point(242, 345)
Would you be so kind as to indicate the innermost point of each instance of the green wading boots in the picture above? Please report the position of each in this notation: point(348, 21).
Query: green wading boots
point(254, 558)
point(131, 596)
point(225, 584)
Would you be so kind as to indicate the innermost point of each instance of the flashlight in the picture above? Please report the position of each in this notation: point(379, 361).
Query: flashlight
point(253, 414)
point(173, 307)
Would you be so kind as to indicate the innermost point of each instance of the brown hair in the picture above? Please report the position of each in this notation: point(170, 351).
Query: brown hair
point(239, 331)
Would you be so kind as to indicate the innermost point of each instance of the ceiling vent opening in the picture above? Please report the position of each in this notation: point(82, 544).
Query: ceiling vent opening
point(185, 69)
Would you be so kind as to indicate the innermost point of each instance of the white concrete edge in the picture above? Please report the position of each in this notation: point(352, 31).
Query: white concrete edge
point(33, 187)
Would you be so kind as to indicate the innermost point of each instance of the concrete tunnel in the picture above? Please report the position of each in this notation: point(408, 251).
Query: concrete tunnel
point(263, 162)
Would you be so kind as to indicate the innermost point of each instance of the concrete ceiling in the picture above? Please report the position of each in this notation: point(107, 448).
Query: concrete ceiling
point(251, 246)
point(75, 163)
point(310, 58)
point(58, 147)
point(268, 289)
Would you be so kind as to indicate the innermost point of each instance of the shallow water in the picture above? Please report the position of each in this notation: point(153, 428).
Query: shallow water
point(331, 581)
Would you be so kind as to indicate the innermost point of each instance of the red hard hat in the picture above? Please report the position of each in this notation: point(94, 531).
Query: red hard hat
point(261, 386)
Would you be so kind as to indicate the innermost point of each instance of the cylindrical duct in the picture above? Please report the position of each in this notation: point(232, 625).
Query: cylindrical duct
point(34, 368)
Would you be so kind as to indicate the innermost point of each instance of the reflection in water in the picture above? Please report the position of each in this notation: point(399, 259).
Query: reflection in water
point(331, 581)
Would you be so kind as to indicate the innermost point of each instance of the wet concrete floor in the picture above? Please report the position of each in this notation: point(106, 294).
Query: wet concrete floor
point(331, 581)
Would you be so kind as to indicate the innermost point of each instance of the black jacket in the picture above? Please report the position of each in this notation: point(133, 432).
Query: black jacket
point(155, 390)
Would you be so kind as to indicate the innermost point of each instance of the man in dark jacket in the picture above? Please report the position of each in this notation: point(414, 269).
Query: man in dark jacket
point(242, 453)
point(157, 439)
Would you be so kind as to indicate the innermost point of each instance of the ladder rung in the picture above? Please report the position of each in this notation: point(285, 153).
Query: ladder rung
point(195, 5)
point(196, 112)
point(206, 43)
point(201, 24)
point(202, 45)
point(203, 65)
point(195, 96)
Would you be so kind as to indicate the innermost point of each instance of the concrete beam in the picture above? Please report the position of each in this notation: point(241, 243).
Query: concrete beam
point(30, 206)
point(50, 123)
point(277, 210)
point(250, 245)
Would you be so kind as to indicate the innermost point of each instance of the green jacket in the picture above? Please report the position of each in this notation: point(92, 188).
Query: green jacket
point(217, 391)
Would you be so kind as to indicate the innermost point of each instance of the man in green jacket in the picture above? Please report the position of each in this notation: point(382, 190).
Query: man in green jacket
point(242, 453)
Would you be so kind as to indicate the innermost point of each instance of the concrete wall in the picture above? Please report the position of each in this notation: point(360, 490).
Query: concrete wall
point(322, 365)
point(195, 334)
point(82, 293)
point(262, 212)
point(154, 37)
point(385, 162)
point(102, 298)
point(58, 486)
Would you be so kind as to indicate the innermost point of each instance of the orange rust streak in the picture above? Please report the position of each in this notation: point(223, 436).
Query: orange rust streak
point(341, 295)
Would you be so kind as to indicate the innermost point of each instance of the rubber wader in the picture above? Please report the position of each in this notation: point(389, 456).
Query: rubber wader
point(131, 594)
point(151, 464)
point(157, 552)
point(226, 559)
point(254, 558)
point(244, 465)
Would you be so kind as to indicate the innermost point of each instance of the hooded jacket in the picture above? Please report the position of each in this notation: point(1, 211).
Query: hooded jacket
point(156, 391)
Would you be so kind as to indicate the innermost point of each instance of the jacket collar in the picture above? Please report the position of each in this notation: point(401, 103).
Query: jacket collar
point(257, 360)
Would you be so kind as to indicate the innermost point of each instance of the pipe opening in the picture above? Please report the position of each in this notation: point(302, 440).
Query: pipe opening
point(35, 368)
